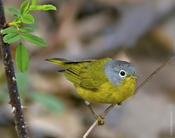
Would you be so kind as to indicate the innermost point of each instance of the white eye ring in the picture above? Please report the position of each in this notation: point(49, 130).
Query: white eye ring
point(122, 73)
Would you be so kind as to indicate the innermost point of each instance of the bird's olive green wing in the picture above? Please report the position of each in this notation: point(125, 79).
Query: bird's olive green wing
point(87, 74)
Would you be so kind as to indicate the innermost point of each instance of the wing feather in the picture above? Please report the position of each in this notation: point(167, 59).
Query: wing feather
point(88, 74)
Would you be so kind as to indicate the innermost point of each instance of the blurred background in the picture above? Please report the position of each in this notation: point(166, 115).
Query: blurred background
point(139, 31)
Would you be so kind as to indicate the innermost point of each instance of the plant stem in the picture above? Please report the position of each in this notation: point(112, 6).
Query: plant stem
point(11, 80)
point(90, 129)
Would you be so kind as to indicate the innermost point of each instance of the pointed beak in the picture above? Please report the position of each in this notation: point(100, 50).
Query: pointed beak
point(133, 76)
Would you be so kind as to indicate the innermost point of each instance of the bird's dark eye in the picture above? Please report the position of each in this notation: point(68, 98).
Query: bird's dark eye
point(122, 73)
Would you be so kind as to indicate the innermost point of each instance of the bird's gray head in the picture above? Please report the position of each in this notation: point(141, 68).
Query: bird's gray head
point(116, 71)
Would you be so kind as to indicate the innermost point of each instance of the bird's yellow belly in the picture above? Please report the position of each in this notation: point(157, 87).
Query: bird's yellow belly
point(108, 93)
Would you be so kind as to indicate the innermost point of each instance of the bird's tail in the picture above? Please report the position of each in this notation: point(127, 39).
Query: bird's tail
point(58, 61)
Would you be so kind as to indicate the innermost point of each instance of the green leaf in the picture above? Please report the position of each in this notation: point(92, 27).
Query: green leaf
point(22, 58)
point(9, 30)
point(48, 101)
point(24, 6)
point(42, 7)
point(11, 37)
point(27, 29)
point(34, 2)
point(34, 39)
point(28, 19)
point(15, 11)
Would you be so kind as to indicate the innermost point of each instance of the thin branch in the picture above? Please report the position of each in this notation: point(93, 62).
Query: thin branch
point(11, 80)
point(90, 129)
point(99, 118)
point(153, 73)
point(108, 109)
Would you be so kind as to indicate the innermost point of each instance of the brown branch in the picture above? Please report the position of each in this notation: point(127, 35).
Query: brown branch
point(90, 129)
point(153, 73)
point(99, 118)
point(11, 80)
point(108, 109)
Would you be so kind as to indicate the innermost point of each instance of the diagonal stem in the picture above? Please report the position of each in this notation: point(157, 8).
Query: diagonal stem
point(90, 129)
point(153, 73)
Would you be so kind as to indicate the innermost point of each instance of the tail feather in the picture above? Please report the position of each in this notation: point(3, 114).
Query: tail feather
point(70, 71)
point(61, 70)
point(62, 61)
point(58, 61)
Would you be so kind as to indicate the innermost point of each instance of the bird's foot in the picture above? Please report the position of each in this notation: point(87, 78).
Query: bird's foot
point(100, 119)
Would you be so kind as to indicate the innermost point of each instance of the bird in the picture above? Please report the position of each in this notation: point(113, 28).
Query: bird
point(105, 81)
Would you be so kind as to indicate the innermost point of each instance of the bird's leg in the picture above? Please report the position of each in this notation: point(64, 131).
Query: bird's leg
point(91, 108)
point(100, 117)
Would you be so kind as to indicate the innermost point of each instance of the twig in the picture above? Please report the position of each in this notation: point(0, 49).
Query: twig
point(100, 117)
point(108, 109)
point(97, 121)
point(153, 73)
point(90, 129)
point(11, 81)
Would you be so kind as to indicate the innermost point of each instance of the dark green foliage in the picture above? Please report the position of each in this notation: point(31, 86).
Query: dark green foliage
point(11, 37)
point(16, 31)
point(22, 58)
point(34, 39)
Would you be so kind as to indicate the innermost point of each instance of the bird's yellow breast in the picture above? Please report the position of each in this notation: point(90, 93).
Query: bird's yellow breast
point(108, 93)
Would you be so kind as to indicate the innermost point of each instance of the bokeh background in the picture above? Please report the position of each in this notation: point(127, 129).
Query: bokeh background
point(139, 31)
